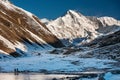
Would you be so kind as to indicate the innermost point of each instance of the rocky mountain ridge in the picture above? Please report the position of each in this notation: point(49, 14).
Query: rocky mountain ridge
point(20, 29)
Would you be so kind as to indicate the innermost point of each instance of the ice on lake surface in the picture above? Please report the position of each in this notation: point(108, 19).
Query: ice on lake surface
point(35, 76)
point(39, 76)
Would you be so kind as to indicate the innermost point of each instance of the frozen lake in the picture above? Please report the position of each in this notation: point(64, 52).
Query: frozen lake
point(34, 76)
point(39, 76)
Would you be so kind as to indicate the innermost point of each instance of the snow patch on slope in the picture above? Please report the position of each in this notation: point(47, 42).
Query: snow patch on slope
point(45, 21)
point(7, 42)
point(11, 45)
point(20, 46)
point(36, 37)
point(1, 51)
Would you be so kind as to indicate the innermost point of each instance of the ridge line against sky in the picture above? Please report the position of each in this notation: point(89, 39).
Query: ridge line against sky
point(56, 8)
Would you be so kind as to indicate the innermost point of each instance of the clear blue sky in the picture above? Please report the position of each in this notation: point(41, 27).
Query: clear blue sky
point(52, 9)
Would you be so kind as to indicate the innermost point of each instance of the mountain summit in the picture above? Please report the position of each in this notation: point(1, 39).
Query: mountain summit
point(75, 25)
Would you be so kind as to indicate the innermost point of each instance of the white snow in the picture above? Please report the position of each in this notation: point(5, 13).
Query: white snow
point(45, 20)
point(1, 52)
point(20, 46)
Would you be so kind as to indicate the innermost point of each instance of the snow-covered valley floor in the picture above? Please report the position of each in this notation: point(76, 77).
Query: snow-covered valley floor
point(58, 63)
point(55, 62)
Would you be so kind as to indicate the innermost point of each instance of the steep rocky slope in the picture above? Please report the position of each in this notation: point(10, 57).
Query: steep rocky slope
point(106, 40)
point(19, 28)
point(104, 47)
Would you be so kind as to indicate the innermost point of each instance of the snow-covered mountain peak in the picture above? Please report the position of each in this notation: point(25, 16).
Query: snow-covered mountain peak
point(74, 25)
point(74, 13)
point(75, 17)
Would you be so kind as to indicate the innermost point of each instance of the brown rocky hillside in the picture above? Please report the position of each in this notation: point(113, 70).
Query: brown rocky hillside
point(18, 26)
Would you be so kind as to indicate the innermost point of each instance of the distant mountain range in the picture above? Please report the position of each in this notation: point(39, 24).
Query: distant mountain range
point(74, 25)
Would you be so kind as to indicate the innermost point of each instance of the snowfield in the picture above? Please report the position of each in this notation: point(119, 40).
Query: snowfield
point(54, 62)
point(44, 62)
